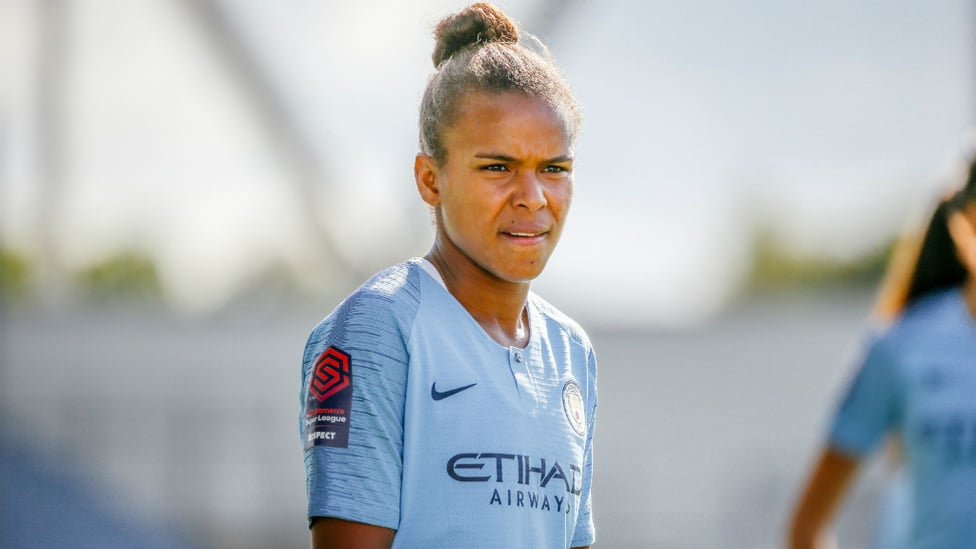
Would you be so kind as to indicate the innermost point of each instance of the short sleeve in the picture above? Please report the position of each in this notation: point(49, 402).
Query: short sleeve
point(870, 405)
point(352, 421)
point(585, 533)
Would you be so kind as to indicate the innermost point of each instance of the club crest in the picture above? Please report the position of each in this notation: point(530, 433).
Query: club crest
point(573, 406)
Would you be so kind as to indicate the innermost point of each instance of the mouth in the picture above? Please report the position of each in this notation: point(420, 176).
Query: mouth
point(525, 237)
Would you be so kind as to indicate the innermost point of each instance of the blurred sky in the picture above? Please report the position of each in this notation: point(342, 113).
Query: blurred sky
point(833, 123)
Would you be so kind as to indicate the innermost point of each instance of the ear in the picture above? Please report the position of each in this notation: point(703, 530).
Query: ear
point(427, 176)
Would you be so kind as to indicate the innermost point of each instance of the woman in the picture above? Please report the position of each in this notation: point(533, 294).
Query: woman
point(917, 381)
point(444, 404)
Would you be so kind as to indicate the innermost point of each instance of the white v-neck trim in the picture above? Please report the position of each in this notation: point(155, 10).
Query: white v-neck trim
point(426, 265)
point(430, 269)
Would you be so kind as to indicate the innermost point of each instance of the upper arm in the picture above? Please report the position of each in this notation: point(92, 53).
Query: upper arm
point(333, 533)
point(868, 408)
point(353, 398)
point(825, 489)
point(870, 405)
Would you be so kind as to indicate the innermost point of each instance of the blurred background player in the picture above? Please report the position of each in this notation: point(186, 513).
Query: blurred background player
point(916, 383)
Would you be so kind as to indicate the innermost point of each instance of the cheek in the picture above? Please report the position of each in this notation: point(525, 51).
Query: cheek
point(458, 215)
point(561, 198)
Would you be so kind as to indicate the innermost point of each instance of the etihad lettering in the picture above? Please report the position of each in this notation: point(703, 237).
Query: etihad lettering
point(517, 468)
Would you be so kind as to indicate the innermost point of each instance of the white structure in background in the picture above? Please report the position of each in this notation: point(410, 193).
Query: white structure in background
point(698, 119)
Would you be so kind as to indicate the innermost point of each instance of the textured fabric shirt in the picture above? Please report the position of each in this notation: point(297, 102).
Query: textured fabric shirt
point(414, 419)
point(918, 379)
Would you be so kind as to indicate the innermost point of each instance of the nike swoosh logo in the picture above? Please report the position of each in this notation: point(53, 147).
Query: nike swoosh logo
point(437, 395)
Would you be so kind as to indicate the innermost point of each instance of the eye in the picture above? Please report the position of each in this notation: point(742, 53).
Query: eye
point(555, 169)
point(495, 167)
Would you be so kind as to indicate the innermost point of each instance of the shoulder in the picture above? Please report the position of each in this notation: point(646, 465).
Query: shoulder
point(556, 319)
point(927, 317)
point(391, 296)
point(401, 282)
point(398, 285)
point(923, 326)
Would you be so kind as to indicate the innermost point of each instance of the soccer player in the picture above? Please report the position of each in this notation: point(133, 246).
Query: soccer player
point(917, 380)
point(444, 404)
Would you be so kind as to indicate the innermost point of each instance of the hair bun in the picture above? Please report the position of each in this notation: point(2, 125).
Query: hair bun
point(478, 23)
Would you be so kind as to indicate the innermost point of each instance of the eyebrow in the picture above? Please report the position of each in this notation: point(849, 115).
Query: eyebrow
point(506, 158)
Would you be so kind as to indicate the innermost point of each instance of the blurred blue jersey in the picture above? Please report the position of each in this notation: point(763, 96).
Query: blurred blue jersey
point(919, 379)
point(893, 529)
point(415, 419)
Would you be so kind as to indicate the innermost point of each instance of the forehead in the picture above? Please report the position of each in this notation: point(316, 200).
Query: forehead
point(496, 119)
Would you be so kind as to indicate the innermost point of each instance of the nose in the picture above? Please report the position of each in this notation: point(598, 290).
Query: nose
point(530, 191)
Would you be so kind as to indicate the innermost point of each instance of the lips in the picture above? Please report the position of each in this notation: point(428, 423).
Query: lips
point(523, 237)
point(526, 232)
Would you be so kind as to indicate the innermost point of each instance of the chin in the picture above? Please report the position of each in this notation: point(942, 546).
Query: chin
point(522, 275)
point(521, 279)
point(519, 270)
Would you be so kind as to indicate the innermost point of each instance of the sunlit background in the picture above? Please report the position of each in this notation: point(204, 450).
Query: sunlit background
point(188, 186)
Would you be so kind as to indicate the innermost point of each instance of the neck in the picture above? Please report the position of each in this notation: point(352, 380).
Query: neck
point(497, 305)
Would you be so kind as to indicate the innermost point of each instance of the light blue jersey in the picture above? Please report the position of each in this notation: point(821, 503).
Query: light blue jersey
point(414, 419)
point(919, 380)
point(893, 529)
